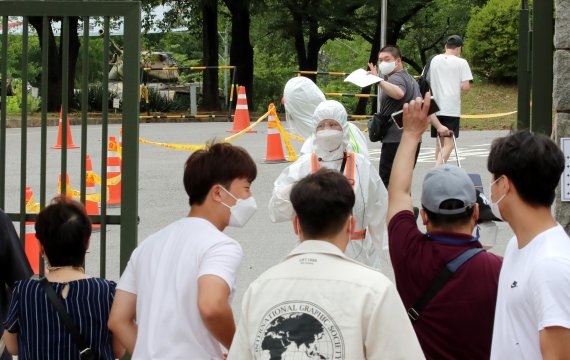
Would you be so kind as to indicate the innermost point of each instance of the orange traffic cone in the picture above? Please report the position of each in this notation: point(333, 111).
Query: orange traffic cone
point(70, 144)
point(31, 244)
point(91, 206)
point(113, 174)
point(274, 152)
point(68, 189)
point(241, 116)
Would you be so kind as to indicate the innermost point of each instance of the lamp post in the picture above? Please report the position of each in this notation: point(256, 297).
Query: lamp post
point(523, 73)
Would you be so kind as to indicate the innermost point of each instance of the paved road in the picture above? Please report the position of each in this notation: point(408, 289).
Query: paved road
point(162, 199)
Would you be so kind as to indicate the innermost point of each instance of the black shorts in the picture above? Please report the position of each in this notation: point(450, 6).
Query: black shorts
point(451, 122)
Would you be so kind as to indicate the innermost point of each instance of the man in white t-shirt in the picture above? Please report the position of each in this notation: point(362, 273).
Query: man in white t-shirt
point(318, 303)
point(173, 299)
point(448, 76)
point(532, 315)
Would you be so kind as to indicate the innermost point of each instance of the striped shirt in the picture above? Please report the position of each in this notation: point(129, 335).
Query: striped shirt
point(42, 335)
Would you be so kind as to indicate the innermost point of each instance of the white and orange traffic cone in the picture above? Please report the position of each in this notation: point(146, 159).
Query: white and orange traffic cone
point(274, 153)
point(68, 189)
point(91, 205)
point(31, 244)
point(113, 173)
point(241, 115)
point(70, 144)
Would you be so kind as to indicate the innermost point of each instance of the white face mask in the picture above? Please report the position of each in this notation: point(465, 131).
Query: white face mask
point(329, 139)
point(495, 205)
point(242, 211)
point(386, 67)
point(487, 233)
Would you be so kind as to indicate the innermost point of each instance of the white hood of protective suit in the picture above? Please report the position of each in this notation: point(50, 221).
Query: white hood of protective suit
point(301, 97)
point(333, 110)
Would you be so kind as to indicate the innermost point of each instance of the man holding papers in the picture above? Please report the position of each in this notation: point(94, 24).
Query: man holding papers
point(399, 88)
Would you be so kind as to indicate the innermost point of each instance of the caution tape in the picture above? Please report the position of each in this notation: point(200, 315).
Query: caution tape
point(32, 206)
point(317, 72)
point(235, 136)
point(292, 155)
point(487, 116)
point(92, 177)
point(184, 68)
point(294, 137)
point(352, 95)
point(187, 147)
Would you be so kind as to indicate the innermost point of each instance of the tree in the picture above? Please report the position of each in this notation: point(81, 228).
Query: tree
point(442, 18)
point(312, 23)
point(241, 50)
point(183, 13)
point(55, 59)
point(492, 40)
point(399, 13)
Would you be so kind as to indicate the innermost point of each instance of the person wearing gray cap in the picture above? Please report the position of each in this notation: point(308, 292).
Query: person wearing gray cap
point(447, 282)
point(448, 76)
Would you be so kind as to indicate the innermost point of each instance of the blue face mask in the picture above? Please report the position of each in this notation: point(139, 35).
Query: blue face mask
point(453, 241)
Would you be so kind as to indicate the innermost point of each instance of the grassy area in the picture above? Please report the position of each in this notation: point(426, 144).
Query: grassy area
point(489, 99)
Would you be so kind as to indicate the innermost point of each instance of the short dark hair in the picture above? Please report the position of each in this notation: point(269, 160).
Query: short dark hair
point(219, 163)
point(392, 49)
point(323, 201)
point(63, 229)
point(449, 221)
point(532, 162)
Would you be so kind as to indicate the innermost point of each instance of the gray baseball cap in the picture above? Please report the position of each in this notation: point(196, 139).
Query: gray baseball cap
point(455, 40)
point(447, 182)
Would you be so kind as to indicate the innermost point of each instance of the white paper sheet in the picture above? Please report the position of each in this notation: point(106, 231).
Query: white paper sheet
point(361, 78)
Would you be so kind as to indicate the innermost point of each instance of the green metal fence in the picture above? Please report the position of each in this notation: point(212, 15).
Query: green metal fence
point(62, 11)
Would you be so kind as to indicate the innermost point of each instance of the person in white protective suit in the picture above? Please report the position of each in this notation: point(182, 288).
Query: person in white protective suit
point(301, 97)
point(330, 127)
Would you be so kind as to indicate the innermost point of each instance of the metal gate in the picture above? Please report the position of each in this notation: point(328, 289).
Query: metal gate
point(13, 182)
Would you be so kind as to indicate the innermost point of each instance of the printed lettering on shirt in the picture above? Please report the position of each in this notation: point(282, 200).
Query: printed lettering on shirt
point(307, 261)
point(298, 330)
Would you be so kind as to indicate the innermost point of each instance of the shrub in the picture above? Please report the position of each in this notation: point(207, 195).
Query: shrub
point(491, 42)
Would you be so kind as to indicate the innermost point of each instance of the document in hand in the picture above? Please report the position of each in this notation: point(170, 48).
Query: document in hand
point(361, 78)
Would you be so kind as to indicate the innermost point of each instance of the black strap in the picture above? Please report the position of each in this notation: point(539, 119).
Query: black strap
point(343, 164)
point(85, 352)
point(444, 276)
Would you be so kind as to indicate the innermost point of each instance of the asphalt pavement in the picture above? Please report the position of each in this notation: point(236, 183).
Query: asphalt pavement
point(162, 198)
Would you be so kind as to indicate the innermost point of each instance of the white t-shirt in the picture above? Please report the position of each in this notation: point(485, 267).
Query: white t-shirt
point(446, 73)
point(534, 293)
point(163, 272)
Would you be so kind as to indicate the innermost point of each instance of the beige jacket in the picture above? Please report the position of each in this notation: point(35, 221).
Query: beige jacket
point(318, 302)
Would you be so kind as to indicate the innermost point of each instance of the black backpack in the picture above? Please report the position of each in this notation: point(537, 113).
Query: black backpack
point(423, 79)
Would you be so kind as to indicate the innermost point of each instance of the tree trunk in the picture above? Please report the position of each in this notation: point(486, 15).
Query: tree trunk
point(241, 51)
point(210, 54)
point(55, 61)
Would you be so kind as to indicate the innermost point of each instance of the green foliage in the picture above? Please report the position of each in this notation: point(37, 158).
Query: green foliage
point(14, 103)
point(426, 32)
point(15, 51)
point(491, 42)
point(274, 64)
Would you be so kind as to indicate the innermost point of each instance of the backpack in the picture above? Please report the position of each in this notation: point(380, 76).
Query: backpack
point(423, 81)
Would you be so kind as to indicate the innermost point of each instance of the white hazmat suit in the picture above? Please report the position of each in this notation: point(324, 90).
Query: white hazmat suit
point(371, 196)
point(301, 97)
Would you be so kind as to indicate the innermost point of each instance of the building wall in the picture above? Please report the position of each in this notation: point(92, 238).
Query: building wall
point(561, 92)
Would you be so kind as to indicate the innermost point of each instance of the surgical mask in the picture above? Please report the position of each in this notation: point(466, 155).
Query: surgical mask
point(495, 205)
point(487, 233)
point(242, 211)
point(329, 139)
point(386, 67)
